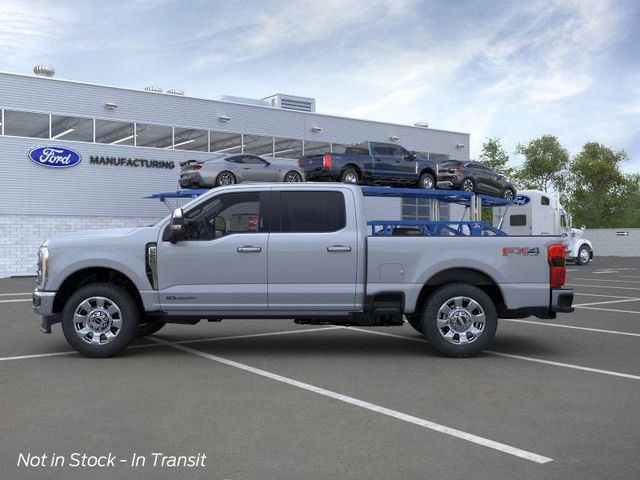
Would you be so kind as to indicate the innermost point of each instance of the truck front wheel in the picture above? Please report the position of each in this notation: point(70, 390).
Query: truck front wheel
point(459, 320)
point(100, 320)
point(583, 255)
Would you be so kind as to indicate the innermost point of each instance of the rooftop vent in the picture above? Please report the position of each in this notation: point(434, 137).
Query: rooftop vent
point(175, 91)
point(153, 88)
point(44, 71)
point(292, 102)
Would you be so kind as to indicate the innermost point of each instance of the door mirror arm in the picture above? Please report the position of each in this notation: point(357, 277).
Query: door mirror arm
point(177, 229)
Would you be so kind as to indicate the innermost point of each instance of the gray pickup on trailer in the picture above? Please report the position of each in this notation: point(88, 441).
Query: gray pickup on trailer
point(294, 251)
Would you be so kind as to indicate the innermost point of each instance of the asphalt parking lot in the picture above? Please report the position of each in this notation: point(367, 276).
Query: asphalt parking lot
point(274, 400)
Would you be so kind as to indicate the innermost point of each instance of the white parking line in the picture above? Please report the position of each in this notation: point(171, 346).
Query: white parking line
point(519, 357)
point(608, 301)
point(602, 286)
point(485, 442)
point(600, 295)
point(610, 310)
point(14, 294)
point(16, 300)
point(629, 276)
point(198, 340)
point(607, 280)
point(545, 324)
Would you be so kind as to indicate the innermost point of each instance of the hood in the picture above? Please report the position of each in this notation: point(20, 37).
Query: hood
point(96, 237)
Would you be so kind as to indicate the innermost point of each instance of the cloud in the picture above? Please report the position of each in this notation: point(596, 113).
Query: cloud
point(30, 29)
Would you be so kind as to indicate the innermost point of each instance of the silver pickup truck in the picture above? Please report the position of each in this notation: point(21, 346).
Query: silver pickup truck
point(291, 251)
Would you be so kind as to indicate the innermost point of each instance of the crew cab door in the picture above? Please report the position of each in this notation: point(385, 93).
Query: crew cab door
point(313, 251)
point(221, 265)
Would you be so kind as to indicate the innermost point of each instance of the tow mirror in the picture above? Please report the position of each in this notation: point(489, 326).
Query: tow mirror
point(177, 228)
point(583, 227)
point(410, 156)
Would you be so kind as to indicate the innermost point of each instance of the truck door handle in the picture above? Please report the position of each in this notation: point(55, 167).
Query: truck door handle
point(339, 248)
point(249, 249)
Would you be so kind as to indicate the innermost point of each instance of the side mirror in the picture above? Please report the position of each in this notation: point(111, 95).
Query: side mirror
point(177, 228)
point(583, 228)
point(410, 156)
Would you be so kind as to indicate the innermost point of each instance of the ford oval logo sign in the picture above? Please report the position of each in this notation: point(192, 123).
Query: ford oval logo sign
point(521, 200)
point(55, 157)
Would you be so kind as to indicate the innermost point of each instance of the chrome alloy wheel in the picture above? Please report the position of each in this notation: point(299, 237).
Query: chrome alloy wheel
point(293, 177)
point(350, 177)
point(97, 320)
point(467, 185)
point(461, 320)
point(508, 194)
point(226, 178)
point(584, 255)
point(427, 182)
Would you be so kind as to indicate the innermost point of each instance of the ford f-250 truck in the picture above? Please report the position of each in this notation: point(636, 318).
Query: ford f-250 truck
point(372, 163)
point(291, 251)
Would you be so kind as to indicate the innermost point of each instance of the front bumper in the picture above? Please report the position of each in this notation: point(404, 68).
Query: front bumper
point(43, 306)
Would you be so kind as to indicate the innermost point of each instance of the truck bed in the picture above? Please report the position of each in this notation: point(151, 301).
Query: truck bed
point(517, 265)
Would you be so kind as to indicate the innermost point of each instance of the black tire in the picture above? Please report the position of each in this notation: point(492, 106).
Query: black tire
point(468, 185)
point(289, 177)
point(427, 182)
point(220, 179)
point(129, 315)
point(149, 328)
point(475, 344)
point(579, 259)
point(415, 320)
point(508, 193)
point(349, 173)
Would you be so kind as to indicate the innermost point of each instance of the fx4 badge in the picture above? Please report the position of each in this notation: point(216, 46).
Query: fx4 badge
point(523, 251)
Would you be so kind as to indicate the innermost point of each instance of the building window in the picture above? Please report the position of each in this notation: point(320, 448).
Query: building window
point(71, 128)
point(157, 136)
point(225, 143)
point(316, 148)
point(115, 133)
point(287, 148)
point(190, 139)
point(419, 209)
point(26, 124)
point(257, 145)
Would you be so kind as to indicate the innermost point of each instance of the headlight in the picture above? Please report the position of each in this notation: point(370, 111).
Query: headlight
point(43, 266)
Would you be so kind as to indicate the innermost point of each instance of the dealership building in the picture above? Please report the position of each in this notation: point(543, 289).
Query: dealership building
point(129, 144)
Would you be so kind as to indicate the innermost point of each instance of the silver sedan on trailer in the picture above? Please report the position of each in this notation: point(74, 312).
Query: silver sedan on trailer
point(230, 169)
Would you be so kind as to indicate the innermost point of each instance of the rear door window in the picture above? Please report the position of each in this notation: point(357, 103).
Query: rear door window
point(312, 212)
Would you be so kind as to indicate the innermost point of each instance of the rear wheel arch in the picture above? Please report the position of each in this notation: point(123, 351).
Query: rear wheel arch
point(461, 275)
point(355, 167)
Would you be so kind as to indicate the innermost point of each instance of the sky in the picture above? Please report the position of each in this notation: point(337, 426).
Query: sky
point(509, 69)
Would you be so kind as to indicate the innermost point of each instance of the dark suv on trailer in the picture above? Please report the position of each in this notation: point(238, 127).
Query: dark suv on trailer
point(474, 177)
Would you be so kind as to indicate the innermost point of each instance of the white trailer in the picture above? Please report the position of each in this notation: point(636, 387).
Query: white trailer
point(535, 212)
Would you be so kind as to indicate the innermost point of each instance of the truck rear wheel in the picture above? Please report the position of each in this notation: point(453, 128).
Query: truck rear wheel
point(415, 321)
point(100, 320)
point(459, 320)
point(350, 175)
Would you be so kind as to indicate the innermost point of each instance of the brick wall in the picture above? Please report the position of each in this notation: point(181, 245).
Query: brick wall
point(22, 235)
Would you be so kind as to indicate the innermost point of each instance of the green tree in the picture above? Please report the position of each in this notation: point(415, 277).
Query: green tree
point(545, 164)
point(600, 195)
point(495, 157)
